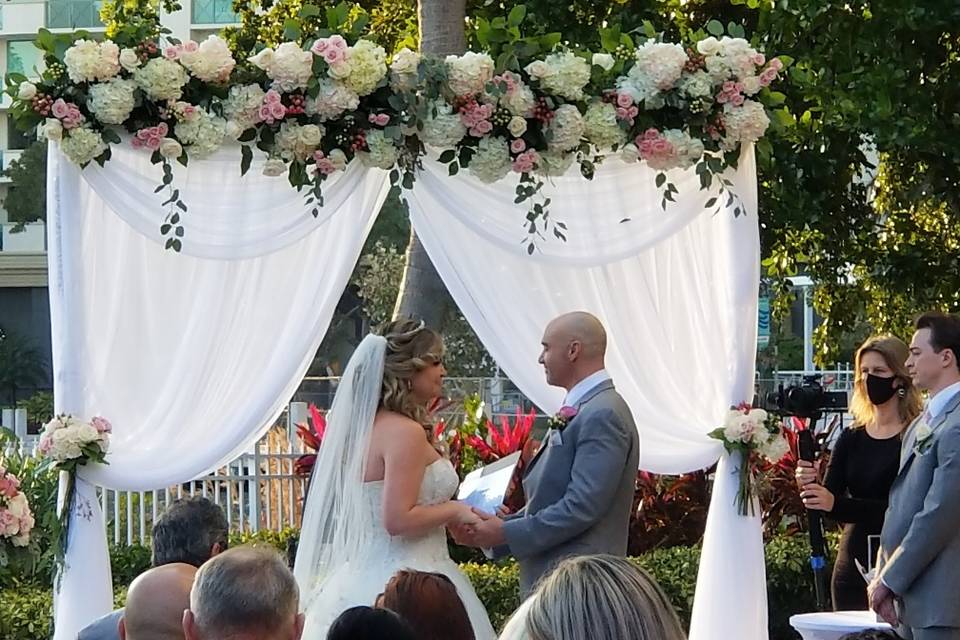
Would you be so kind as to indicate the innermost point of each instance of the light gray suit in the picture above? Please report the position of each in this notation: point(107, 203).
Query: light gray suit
point(920, 543)
point(579, 491)
point(103, 628)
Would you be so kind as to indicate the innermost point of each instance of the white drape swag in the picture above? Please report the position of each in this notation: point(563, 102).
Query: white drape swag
point(192, 356)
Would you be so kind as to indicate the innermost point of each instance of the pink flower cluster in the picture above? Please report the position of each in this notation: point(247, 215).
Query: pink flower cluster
point(379, 119)
point(9, 484)
point(526, 161)
point(770, 73)
point(626, 110)
point(173, 52)
point(16, 519)
point(654, 146)
point(324, 164)
point(68, 113)
point(507, 81)
point(149, 138)
point(102, 425)
point(476, 117)
point(333, 49)
point(731, 92)
point(271, 109)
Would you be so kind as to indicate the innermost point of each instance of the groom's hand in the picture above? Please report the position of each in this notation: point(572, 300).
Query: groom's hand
point(489, 532)
point(462, 534)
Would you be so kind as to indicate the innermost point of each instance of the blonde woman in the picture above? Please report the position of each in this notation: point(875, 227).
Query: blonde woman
point(596, 598)
point(379, 497)
point(864, 462)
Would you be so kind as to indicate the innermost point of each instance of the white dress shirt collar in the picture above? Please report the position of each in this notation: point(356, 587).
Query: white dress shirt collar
point(584, 387)
point(937, 404)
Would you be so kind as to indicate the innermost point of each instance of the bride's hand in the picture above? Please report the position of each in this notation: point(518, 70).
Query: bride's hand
point(465, 516)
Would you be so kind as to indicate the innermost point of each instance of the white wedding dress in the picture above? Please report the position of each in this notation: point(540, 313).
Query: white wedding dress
point(360, 582)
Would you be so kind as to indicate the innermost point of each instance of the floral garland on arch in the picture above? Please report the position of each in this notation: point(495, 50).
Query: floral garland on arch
point(314, 106)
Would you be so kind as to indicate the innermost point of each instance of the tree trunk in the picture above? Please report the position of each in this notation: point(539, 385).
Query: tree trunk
point(422, 293)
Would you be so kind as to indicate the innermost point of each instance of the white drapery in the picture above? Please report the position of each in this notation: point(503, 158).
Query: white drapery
point(191, 356)
point(207, 346)
point(677, 293)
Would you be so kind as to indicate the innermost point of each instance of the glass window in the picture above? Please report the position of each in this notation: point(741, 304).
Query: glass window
point(23, 57)
point(73, 14)
point(213, 12)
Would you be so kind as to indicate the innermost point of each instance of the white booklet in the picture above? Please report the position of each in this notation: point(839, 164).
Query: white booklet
point(485, 488)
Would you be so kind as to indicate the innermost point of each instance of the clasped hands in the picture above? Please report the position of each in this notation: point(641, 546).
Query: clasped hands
point(479, 529)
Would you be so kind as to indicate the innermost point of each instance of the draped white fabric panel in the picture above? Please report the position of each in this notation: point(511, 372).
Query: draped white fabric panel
point(192, 356)
point(677, 292)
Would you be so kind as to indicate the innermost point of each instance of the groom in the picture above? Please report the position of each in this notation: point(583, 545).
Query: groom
point(580, 484)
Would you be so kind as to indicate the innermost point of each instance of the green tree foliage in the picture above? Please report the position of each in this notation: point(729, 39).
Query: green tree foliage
point(26, 199)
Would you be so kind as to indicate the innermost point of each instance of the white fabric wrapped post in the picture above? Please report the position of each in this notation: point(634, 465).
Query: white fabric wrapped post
point(191, 356)
point(677, 292)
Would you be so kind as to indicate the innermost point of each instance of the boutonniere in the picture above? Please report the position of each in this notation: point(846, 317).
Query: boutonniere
point(923, 438)
point(562, 418)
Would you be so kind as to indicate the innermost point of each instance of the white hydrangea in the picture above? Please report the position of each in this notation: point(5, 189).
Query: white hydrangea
point(368, 66)
point(775, 448)
point(739, 55)
point(162, 79)
point(566, 128)
point(444, 129)
point(211, 62)
point(243, 105)
point(718, 69)
point(687, 150)
point(491, 161)
point(468, 74)
point(112, 101)
point(658, 68)
point(289, 66)
point(554, 163)
point(202, 135)
point(600, 125)
point(744, 124)
point(404, 69)
point(333, 99)
point(382, 153)
point(92, 61)
point(82, 145)
point(520, 101)
point(274, 167)
point(697, 85)
point(637, 84)
point(564, 74)
point(296, 142)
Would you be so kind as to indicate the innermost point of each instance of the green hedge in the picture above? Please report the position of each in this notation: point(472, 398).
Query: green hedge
point(25, 608)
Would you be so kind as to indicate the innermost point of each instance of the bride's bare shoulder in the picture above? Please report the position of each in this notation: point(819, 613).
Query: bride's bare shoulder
point(397, 426)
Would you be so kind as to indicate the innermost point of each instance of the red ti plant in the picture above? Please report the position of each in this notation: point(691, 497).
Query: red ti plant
point(312, 437)
point(505, 440)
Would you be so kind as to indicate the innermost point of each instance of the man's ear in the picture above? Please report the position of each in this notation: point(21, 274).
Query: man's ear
point(122, 629)
point(298, 626)
point(189, 626)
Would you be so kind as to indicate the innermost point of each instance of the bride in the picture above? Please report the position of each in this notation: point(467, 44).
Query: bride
point(380, 494)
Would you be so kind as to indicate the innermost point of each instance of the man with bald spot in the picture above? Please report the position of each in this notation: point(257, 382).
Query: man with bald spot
point(156, 601)
point(580, 484)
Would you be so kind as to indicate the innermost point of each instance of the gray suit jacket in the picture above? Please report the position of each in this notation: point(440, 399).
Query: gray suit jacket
point(579, 491)
point(103, 628)
point(920, 543)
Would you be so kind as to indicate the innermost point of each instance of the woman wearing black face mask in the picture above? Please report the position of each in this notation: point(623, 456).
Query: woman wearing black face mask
point(864, 462)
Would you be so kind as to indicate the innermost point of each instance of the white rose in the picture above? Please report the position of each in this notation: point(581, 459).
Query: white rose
point(751, 85)
point(405, 62)
point(53, 130)
point(170, 148)
point(311, 135)
point(129, 59)
point(27, 91)
point(708, 46)
point(274, 167)
point(537, 69)
point(603, 60)
point(629, 153)
point(517, 126)
point(263, 60)
point(87, 433)
point(17, 506)
point(233, 130)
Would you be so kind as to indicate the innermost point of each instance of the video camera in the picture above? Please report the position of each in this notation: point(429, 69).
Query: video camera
point(806, 400)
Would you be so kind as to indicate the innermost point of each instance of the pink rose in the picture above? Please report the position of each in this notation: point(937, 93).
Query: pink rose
point(161, 130)
point(651, 134)
point(624, 100)
point(153, 143)
point(518, 145)
point(526, 161)
point(190, 47)
point(277, 110)
point(271, 97)
point(661, 146)
point(768, 76)
point(60, 109)
point(758, 59)
point(729, 86)
point(264, 113)
point(382, 119)
point(567, 413)
point(333, 56)
point(776, 64)
point(171, 53)
point(319, 46)
point(46, 442)
point(337, 42)
point(736, 100)
point(622, 113)
point(482, 128)
point(326, 166)
point(102, 425)
point(9, 524)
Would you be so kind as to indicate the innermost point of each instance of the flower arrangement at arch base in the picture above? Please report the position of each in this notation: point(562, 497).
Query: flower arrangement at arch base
point(329, 97)
point(71, 443)
point(16, 518)
point(758, 437)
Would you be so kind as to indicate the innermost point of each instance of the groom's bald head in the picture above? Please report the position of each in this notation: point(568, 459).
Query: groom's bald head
point(574, 346)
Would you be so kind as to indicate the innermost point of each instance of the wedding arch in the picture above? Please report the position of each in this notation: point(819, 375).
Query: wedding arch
point(190, 284)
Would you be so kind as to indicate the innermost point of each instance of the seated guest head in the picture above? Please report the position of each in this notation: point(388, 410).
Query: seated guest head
point(601, 598)
point(870, 634)
point(191, 530)
point(155, 603)
point(247, 593)
point(429, 602)
point(367, 623)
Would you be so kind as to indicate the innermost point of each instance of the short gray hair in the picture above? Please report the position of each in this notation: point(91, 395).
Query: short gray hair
point(601, 598)
point(247, 589)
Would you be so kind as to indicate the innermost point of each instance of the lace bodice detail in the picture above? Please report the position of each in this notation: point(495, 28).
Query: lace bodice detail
point(440, 482)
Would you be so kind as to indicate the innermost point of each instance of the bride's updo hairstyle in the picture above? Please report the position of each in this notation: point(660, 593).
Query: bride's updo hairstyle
point(411, 348)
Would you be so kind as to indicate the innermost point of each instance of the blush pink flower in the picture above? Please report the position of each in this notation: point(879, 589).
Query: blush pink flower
point(518, 145)
point(172, 53)
point(526, 161)
point(624, 100)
